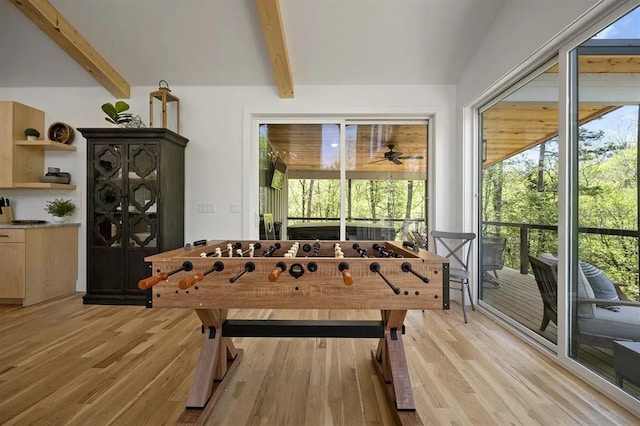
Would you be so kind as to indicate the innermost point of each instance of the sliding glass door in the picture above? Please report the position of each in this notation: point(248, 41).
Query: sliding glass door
point(519, 202)
point(604, 296)
point(349, 180)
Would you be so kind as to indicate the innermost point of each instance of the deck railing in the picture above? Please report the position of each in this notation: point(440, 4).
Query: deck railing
point(400, 225)
point(524, 229)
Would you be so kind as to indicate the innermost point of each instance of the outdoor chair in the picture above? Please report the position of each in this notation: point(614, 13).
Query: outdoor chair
point(492, 258)
point(456, 246)
point(603, 316)
point(546, 276)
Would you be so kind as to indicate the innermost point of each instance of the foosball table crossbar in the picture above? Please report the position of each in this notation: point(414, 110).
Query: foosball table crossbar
point(304, 328)
point(219, 358)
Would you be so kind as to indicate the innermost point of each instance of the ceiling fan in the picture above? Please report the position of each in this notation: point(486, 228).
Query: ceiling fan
point(396, 156)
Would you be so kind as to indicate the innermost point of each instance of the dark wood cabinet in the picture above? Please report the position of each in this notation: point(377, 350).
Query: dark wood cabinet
point(135, 208)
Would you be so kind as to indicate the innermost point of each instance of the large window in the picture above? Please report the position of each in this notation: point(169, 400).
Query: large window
point(378, 191)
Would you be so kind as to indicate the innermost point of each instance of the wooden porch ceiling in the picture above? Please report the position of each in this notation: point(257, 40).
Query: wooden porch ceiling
point(315, 147)
point(508, 129)
point(513, 128)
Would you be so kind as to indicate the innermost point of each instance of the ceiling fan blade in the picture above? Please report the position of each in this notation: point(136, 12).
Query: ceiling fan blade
point(411, 157)
point(377, 161)
point(396, 161)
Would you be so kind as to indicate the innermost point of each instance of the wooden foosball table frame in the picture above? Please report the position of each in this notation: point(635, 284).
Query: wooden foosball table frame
point(367, 275)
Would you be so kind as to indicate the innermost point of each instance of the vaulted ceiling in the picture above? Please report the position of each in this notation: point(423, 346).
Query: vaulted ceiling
point(221, 42)
point(283, 43)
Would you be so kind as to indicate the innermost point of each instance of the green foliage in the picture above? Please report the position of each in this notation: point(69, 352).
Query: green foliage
point(116, 113)
point(385, 200)
point(32, 132)
point(60, 207)
point(607, 199)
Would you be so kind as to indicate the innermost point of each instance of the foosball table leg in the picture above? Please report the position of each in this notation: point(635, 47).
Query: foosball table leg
point(216, 365)
point(391, 364)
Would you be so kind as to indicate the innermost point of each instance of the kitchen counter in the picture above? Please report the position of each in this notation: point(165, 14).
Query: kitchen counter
point(36, 225)
point(38, 262)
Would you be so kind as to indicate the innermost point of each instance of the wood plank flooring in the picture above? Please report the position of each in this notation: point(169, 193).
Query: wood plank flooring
point(519, 298)
point(63, 362)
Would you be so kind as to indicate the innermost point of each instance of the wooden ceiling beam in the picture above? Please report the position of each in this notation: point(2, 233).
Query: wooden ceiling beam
point(271, 21)
point(54, 25)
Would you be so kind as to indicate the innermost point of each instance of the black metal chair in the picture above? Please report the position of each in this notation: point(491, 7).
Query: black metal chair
point(493, 248)
point(456, 246)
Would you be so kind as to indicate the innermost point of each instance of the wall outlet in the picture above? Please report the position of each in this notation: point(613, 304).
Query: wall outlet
point(235, 208)
point(206, 208)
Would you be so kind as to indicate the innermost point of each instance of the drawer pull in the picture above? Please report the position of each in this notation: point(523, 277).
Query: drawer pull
point(4, 235)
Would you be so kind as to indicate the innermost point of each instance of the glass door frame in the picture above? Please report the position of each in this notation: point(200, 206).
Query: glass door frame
point(251, 213)
point(522, 82)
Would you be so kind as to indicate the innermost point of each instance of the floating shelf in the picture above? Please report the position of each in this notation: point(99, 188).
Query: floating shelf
point(43, 185)
point(47, 145)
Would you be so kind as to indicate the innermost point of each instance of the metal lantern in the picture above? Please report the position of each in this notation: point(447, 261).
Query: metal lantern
point(163, 94)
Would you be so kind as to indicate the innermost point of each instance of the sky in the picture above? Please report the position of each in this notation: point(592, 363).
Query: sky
point(621, 123)
point(626, 27)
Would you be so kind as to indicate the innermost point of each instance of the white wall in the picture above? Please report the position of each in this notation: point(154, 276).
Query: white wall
point(215, 120)
point(523, 33)
point(521, 28)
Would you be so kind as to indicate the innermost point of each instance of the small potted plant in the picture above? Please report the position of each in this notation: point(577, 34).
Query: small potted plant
point(31, 134)
point(116, 113)
point(60, 209)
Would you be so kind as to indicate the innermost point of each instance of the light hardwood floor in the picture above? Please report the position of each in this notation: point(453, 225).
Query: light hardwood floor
point(62, 362)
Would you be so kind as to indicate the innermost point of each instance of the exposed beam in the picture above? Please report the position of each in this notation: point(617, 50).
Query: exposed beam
point(271, 20)
point(53, 24)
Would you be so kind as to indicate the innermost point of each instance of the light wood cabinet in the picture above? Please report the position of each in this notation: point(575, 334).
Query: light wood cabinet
point(38, 263)
point(22, 161)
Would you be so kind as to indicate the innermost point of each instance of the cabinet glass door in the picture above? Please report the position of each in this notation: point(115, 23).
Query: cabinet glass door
point(143, 195)
point(108, 196)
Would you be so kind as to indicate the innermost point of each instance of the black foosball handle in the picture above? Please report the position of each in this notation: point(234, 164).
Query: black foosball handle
point(375, 267)
point(248, 267)
point(406, 267)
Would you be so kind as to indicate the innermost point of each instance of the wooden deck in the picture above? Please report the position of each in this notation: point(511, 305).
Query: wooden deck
point(519, 298)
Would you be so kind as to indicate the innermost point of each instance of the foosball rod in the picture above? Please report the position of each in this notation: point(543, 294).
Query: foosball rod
point(188, 282)
point(215, 253)
point(256, 246)
point(269, 252)
point(362, 252)
point(248, 267)
point(406, 267)
point(375, 267)
point(151, 281)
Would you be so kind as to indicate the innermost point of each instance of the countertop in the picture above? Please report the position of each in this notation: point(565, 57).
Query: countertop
point(37, 225)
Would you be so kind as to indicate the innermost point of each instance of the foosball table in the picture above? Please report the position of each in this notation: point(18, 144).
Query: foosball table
point(221, 275)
